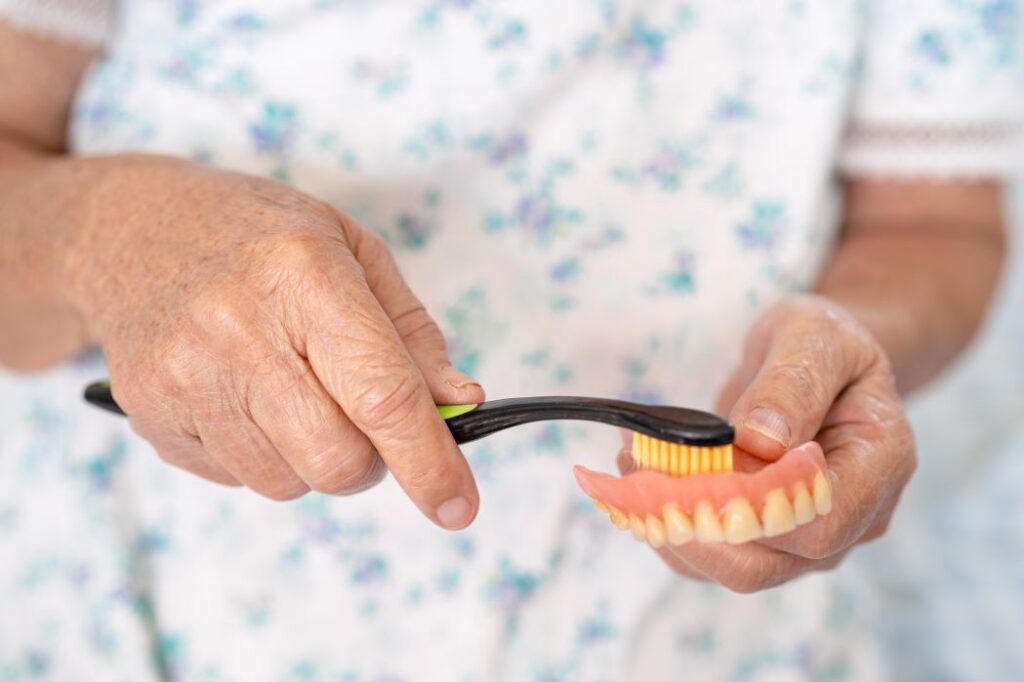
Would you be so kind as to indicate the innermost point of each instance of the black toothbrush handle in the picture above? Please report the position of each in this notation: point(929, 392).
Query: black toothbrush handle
point(673, 424)
point(100, 395)
point(469, 423)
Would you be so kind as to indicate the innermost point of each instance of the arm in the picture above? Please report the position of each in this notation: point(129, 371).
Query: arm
point(254, 335)
point(907, 285)
point(39, 191)
point(917, 263)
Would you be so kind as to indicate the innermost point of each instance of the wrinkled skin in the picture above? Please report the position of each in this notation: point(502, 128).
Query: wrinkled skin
point(810, 371)
point(256, 336)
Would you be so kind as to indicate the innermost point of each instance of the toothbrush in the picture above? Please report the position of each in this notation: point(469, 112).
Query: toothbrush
point(672, 440)
point(683, 487)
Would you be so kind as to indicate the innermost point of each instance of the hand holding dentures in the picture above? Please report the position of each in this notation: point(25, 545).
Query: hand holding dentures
point(823, 450)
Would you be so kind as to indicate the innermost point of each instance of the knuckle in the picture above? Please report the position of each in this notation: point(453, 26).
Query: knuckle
point(281, 490)
point(819, 544)
point(367, 245)
point(295, 260)
point(416, 324)
point(798, 382)
point(334, 472)
point(747, 574)
point(182, 365)
point(880, 529)
point(384, 405)
point(742, 583)
point(218, 323)
point(296, 250)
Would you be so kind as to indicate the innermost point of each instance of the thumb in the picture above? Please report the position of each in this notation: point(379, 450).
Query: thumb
point(786, 402)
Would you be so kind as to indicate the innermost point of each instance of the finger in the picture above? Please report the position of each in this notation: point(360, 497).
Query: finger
point(624, 459)
point(730, 393)
point(681, 567)
point(417, 329)
point(870, 453)
point(182, 450)
point(240, 447)
point(361, 361)
point(807, 365)
point(741, 568)
point(311, 433)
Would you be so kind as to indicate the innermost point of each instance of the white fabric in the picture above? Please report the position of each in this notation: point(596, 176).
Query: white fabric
point(591, 198)
point(940, 91)
point(82, 21)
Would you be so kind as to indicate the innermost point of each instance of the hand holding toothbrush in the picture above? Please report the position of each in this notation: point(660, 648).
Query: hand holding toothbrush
point(257, 337)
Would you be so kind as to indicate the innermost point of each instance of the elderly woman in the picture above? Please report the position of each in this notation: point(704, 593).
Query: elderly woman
point(271, 217)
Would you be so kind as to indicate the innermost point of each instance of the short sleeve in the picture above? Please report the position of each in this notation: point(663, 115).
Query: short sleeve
point(939, 91)
point(82, 21)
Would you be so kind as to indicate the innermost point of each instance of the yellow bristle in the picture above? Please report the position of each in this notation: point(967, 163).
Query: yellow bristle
point(679, 460)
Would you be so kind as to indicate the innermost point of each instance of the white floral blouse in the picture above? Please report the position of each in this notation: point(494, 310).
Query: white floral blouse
point(592, 197)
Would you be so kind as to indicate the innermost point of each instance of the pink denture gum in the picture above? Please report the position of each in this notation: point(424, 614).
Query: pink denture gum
point(731, 507)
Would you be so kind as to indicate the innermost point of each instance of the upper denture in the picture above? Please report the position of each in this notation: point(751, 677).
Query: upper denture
point(644, 493)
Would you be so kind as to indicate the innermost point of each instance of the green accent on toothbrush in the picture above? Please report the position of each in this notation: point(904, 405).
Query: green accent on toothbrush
point(449, 411)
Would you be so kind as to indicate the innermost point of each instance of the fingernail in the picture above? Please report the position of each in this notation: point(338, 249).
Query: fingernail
point(457, 379)
point(769, 424)
point(454, 513)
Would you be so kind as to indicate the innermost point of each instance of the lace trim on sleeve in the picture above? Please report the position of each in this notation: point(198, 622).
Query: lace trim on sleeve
point(81, 21)
point(956, 150)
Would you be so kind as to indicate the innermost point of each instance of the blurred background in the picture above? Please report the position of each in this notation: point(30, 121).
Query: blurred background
point(952, 570)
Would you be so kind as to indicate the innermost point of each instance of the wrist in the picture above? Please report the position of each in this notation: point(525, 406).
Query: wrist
point(105, 195)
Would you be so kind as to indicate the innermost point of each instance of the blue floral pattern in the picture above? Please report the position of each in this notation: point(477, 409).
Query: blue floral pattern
point(592, 197)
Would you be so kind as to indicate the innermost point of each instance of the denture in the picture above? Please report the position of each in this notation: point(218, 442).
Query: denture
point(661, 506)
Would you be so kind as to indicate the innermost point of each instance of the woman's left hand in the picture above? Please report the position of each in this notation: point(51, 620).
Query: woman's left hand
point(810, 371)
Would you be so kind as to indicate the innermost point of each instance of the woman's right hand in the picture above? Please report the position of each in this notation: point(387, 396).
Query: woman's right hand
point(256, 336)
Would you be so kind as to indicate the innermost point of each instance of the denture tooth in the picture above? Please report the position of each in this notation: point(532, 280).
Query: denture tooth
point(707, 526)
point(601, 506)
point(678, 527)
point(777, 515)
point(740, 522)
point(655, 531)
point(637, 526)
point(822, 494)
point(619, 518)
point(803, 505)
